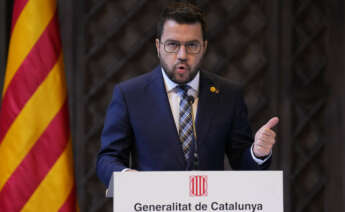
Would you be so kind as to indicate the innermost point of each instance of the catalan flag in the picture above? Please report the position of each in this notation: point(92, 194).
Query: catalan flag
point(36, 164)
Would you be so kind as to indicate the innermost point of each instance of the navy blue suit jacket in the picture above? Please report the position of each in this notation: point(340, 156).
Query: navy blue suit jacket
point(139, 122)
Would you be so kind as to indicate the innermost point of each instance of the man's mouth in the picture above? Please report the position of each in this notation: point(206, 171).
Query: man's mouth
point(182, 68)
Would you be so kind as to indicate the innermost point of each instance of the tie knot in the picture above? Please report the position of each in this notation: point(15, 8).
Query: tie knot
point(183, 88)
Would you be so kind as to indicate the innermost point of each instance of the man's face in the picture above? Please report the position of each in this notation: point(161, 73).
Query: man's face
point(182, 66)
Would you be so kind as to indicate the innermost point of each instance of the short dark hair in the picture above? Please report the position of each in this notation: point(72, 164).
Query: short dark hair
point(182, 13)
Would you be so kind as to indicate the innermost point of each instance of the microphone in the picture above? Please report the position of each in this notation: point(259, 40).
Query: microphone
point(191, 99)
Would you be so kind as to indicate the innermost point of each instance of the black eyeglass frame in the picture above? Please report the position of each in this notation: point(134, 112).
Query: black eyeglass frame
point(179, 46)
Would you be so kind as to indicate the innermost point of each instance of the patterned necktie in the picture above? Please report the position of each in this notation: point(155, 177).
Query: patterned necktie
point(185, 121)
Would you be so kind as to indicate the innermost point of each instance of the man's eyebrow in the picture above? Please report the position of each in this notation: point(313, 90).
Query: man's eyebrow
point(191, 41)
point(188, 41)
point(171, 40)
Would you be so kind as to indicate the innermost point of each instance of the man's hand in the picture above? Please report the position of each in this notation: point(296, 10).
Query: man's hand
point(265, 138)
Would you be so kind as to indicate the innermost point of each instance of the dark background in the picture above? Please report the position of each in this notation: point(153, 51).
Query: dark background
point(288, 55)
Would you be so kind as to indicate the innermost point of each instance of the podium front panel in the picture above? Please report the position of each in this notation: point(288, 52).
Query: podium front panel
point(198, 191)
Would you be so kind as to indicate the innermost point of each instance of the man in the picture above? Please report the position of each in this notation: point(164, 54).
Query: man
point(178, 117)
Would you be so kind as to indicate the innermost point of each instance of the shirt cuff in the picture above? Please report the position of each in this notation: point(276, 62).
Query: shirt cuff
point(124, 170)
point(258, 160)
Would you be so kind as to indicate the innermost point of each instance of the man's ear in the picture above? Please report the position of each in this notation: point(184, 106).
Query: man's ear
point(205, 46)
point(157, 46)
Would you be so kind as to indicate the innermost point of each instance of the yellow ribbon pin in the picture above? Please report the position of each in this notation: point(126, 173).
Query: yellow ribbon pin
point(214, 89)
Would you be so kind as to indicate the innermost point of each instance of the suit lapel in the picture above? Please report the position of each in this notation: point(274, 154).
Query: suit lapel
point(206, 106)
point(158, 96)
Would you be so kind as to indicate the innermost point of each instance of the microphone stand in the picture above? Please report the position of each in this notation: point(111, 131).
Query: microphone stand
point(195, 154)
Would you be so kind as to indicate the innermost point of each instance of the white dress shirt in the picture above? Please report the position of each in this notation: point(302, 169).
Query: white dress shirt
point(174, 97)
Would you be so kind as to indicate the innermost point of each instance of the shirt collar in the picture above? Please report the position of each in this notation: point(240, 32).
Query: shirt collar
point(170, 85)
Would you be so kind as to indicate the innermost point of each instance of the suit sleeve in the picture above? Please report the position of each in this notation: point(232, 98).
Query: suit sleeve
point(241, 139)
point(116, 138)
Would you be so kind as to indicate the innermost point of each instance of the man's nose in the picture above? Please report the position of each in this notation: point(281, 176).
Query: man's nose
point(182, 53)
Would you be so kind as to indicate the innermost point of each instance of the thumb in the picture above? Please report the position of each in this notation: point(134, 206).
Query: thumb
point(272, 122)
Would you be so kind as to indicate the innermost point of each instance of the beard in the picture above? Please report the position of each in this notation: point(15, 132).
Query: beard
point(175, 76)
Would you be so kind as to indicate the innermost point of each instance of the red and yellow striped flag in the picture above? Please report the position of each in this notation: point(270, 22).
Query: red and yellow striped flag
point(36, 164)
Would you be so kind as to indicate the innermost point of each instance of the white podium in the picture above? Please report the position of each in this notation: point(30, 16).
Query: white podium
point(236, 191)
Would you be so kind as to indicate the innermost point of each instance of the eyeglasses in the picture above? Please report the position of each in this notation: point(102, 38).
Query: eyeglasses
point(192, 47)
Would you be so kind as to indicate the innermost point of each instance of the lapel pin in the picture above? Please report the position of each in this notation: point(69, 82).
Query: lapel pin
point(214, 90)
